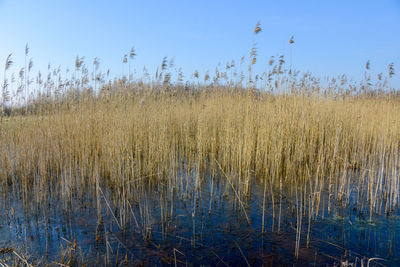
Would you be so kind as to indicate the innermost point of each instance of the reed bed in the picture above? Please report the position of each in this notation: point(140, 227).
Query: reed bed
point(330, 144)
point(109, 145)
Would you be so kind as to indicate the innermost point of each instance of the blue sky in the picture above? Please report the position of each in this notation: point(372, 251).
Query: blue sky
point(331, 37)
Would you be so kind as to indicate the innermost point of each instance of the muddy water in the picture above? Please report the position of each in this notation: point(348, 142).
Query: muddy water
point(213, 224)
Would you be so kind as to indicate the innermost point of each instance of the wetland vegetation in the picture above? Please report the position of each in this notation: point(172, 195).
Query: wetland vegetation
point(278, 168)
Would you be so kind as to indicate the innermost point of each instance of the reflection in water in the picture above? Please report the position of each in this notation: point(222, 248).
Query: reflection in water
point(195, 220)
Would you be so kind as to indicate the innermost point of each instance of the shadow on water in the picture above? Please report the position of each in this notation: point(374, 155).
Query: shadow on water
point(188, 220)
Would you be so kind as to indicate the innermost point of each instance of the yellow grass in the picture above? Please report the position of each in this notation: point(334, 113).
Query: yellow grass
point(291, 139)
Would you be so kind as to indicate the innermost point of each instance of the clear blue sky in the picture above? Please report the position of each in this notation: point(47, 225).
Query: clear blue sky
point(331, 37)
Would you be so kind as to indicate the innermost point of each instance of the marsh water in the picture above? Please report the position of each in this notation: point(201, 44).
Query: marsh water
point(198, 222)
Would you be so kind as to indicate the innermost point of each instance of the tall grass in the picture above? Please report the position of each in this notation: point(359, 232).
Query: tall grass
point(329, 143)
point(300, 137)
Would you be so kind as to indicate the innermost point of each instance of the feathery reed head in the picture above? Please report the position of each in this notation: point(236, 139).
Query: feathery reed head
point(26, 49)
point(9, 62)
point(164, 64)
point(78, 62)
point(30, 65)
point(368, 65)
point(132, 53)
point(257, 29)
point(21, 73)
point(391, 70)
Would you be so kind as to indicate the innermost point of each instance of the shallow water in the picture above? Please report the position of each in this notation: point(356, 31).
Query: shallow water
point(174, 225)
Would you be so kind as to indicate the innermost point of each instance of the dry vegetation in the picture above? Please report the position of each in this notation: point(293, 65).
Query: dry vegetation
point(293, 139)
point(300, 137)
